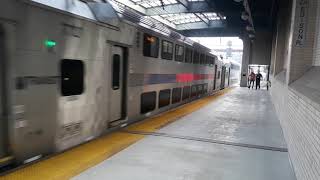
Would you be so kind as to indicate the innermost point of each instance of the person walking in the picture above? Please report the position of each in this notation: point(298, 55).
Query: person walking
point(258, 79)
point(252, 78)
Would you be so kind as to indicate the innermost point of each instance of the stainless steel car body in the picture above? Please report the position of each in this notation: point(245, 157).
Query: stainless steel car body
point(36, 119)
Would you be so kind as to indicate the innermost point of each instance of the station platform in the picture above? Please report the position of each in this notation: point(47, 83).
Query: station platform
point(231, 135)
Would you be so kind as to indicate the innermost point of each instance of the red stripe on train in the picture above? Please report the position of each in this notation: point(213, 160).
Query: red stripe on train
point(188, 77)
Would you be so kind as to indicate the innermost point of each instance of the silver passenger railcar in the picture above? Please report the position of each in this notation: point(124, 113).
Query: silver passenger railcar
point(72, 71)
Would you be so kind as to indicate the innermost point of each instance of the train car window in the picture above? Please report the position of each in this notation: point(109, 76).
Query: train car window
point(164, 97)
point(176, 95)
point(72, 77)
point(211, 61)
point(189, 54)
point(116, 72)
point(202, 58)
point(186, 93)
point(148, 102)
point(196, 57)
point(207, 61)
point(150, 46)
point(200, 89)
point(167, 50)
point(205, 88)
point(179, 53)
point(194, 90)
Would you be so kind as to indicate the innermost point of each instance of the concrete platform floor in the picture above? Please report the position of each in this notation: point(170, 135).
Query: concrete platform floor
point(237, 136)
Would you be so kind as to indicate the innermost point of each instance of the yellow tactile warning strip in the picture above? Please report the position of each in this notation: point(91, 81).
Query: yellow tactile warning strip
point(70, 163)
point(74, 161)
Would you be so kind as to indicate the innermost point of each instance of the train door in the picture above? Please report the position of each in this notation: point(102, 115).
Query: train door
point(35, 105)
point(215, 77)
point(229, 73)
point(3, 132)
point(117, 83)
point(223, 77)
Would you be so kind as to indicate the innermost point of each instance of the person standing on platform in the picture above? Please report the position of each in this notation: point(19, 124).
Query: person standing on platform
point(258, 79)
point(252, 78)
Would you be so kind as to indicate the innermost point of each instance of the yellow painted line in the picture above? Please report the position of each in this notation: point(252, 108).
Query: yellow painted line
point(74, 161)
point(70, 163)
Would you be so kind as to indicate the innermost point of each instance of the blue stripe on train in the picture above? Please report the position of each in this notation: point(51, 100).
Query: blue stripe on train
point(159, 78)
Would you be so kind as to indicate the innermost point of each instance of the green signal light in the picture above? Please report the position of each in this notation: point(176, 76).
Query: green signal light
point(50, 43)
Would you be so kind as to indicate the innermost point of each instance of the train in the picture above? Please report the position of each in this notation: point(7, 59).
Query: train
point(72, 71)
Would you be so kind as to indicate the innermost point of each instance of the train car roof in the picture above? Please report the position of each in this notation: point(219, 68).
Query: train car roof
point(113, 13)
point(153, 26)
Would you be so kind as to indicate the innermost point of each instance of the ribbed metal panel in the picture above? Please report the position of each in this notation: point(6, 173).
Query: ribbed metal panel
point(132, 15)
point(76, 7)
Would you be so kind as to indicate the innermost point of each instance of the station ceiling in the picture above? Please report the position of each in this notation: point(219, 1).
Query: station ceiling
point(200, 18)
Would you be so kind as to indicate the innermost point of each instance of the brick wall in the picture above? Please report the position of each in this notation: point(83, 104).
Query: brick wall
point(303, 127)
point(295, 91)
point(300, 119)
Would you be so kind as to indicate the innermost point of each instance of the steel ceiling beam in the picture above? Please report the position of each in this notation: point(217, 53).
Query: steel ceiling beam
point(229, 10)
point(211, 3)
point(248, 10)
point(201, 25)
point(213, 32)
point(132, 5)
point(191, 7)
point(206, 21)
point(182, 2)
point(185, 3)
point(146, 1)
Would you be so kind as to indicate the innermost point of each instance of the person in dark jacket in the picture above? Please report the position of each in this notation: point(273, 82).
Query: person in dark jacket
point(258, 79)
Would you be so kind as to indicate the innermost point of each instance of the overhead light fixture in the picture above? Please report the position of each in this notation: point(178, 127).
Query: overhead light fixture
point(252, 36)
point(249, 28)
point(244, 16)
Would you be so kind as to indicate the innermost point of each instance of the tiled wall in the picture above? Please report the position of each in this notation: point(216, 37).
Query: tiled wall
point(300, 120)
point(303, 117)
point(296, 94)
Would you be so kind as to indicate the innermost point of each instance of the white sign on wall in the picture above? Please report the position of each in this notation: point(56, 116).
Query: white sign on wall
point(301, 22)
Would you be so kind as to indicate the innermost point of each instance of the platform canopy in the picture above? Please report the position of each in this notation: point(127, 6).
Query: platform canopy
point(205, 17)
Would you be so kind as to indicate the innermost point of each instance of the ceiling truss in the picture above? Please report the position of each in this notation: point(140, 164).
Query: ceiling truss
point(186, 15)
point(180, 14)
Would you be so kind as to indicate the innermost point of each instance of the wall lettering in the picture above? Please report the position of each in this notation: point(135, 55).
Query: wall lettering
point(301, 18)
